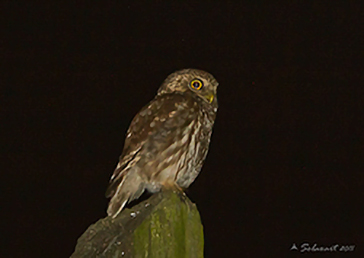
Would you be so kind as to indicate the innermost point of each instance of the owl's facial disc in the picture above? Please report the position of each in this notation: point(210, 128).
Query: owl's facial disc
point(202, 89)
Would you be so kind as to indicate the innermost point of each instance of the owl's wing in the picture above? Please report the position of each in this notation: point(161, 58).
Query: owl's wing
point(151, 128)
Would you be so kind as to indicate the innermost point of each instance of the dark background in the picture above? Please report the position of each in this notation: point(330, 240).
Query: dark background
point(286, 160)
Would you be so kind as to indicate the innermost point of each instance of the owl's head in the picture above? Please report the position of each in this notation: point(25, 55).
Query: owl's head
point(203, 84)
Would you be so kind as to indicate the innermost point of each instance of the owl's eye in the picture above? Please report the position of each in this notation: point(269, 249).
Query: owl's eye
point(196, 84)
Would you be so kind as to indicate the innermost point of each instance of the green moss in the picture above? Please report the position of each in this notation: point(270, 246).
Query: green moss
point(173, 230)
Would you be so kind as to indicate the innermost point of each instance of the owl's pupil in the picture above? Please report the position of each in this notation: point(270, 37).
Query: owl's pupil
point(196, 85)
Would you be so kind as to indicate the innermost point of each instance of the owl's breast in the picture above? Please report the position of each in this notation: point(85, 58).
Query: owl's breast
point(196, 149)
point(175, 151)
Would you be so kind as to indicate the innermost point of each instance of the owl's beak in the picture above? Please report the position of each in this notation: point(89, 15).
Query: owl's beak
point(210, 97)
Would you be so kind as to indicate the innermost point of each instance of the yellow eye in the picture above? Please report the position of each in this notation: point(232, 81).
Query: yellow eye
point(196, 84)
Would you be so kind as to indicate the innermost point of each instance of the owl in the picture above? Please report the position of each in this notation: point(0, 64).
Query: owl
point(167, 141)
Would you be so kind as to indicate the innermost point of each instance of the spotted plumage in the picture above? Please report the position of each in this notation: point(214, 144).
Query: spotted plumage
point(167, 141)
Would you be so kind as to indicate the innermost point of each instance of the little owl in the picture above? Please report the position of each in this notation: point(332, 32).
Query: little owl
point(167, 141)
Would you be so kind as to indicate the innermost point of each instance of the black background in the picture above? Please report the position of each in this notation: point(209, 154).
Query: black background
point(286, 160)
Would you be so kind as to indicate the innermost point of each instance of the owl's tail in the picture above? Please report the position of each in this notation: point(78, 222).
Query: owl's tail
point(130, 188)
